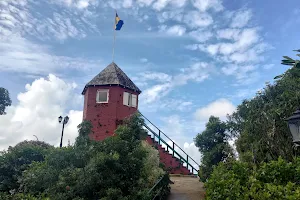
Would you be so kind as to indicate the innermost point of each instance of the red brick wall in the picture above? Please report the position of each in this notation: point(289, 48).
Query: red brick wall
point(104, 116)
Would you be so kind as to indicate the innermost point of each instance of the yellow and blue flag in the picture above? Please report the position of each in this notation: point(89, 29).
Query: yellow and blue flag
point(118, 23)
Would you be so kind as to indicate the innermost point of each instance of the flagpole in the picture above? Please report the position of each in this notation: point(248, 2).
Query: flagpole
point(113, 53)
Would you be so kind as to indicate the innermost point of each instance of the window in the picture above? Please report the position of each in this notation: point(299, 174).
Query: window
point(129, 99)
point(102, 96)
point(126, 98)
point(133, 100)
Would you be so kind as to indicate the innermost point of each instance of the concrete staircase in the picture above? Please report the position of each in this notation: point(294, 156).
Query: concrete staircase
point(186, 188)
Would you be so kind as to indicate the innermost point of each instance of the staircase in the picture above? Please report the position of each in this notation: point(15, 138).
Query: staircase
point(172, 156)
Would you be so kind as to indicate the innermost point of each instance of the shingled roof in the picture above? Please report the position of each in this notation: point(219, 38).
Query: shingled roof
point(112, 75)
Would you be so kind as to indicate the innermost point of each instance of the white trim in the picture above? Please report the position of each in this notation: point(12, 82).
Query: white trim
point(129, 99)
point(133, 100)
point(107, 97)
point(125, 98)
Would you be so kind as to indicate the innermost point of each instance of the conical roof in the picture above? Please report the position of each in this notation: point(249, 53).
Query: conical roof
point(112, 75)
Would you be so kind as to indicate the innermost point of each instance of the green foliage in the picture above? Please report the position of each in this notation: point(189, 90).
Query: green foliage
point(161, 189)
point(120, 167)
point(17, 159)
point(150, 171)
point(289, 61)
point(21, 196)
point(277, 180)
point(213, 145)
point(4, 100)
point(259, 123)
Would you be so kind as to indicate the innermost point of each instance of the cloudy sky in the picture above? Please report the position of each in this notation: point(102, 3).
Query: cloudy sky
point(191, 59)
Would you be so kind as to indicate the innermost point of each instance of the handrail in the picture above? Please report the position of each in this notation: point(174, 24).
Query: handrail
point(166, 136)
point(168, 146)
point(157, 182)
point(173, 150)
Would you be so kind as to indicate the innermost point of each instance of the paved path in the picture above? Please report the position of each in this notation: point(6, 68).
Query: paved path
point(186, 188)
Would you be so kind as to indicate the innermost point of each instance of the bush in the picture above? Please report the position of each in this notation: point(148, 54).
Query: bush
point(120, 167)
point(17, 159)
point(238, 180)
point(21, 196)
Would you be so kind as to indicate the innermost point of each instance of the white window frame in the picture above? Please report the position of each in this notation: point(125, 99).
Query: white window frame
point(107, 97)
point(133, 100)
point(128, 99)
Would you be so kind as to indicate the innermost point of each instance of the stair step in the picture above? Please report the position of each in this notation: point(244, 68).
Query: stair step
point(171, 162)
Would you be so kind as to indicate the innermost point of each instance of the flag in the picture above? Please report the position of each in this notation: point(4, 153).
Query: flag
point(118, 23)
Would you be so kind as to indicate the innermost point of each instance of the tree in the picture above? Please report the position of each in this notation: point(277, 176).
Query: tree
point(17, 159)
point(4, 100)
point(114, 168)
point(259, 124)
point(213, 145)
point(289, 61)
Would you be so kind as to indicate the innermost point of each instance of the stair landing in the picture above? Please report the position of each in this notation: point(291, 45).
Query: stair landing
point(186, 188)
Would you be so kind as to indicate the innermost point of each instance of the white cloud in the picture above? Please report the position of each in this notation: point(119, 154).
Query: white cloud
point(37, 112)
point(200, 35)
point(144, 60)
point(127, 3)
point(233, 51)
point(176, 15)
point(145, 2)
point(157, 76)
point(176, 30)
point(79, 4)
point(240, 46)
point(155, 92)
point(20, 55)
point(213, 49)
point(229, 33)
point(20, 18)
point(204, 5)
point(230, 70)
point(192, 47)
point(196, 19)
point(241, 18)
point(219, 108)
point(197, 72)
point(179, 3)
point(161, 4)
point(193, 152)
point(179, 131)
point(245, 74)
point(83, 4)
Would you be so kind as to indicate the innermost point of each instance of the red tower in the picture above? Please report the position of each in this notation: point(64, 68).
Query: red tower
point(109, 98)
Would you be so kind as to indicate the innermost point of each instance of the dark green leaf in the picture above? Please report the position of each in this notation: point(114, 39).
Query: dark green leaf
point(288, 58)
point(279, 76)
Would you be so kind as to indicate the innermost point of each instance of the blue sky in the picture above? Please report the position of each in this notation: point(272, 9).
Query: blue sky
point(191, 58)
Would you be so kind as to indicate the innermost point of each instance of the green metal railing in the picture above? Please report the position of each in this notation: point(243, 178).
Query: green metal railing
point(161, 184)
point(182, 156)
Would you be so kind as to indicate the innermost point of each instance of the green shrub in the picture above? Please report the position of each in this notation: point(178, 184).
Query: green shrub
point(21, 196)
point(17, 159)
point(122, 167)
point(276, 180)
